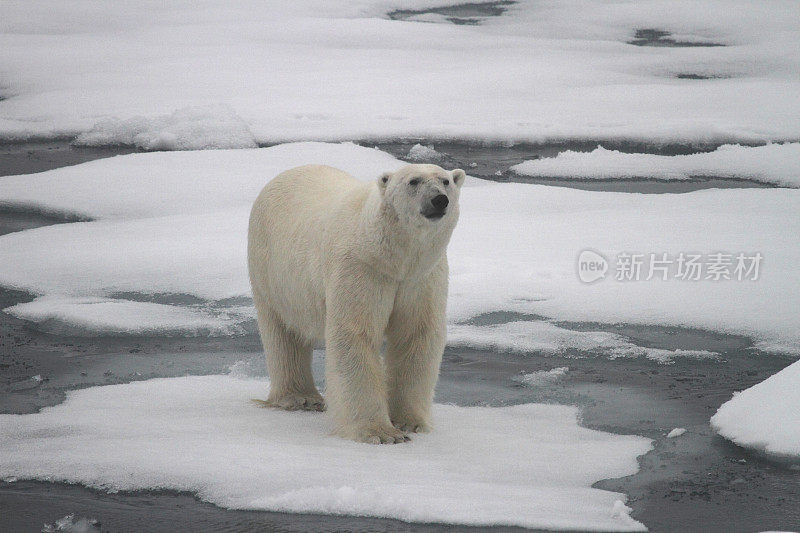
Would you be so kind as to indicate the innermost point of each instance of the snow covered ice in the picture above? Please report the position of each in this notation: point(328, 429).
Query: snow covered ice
point(765, 417)
point(528, 465)
point(545, 337)
point(176, 223)
point(773, 163)
point(291, 71)
point(108, 316)
point(161, 248)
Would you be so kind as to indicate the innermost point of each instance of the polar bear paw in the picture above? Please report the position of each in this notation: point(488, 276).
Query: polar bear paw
point(382, 435)
point(412, 426)
point(295, 402)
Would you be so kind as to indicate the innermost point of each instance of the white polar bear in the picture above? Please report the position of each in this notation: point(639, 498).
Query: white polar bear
point(353, 263)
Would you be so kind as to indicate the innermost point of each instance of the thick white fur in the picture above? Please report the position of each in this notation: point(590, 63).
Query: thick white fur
point(352, 264)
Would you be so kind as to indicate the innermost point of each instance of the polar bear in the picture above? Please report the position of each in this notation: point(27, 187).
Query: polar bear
point(355, 264)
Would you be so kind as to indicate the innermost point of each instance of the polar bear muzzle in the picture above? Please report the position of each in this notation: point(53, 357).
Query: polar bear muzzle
point(437, 208)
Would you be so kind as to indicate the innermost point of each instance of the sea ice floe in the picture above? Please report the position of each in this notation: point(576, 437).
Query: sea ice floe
point(527, 465)
point(772, 163)
point(176, 223)
point(312, 69)
point(765, 417)
point(108, 316)
point(545, 337)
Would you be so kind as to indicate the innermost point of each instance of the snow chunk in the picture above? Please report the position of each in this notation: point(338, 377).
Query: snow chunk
point(190, 128)
point(677, 432)
point(247, 369)
point(88, 316)
point(423, 154)
point(542, 377)
point(765, 417)
point(772, 163)
point(68, 524)
point(545, 337)
point(205, 435)
point(661, 355)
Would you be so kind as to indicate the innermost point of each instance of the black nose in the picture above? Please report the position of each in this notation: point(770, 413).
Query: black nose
point(440, 201)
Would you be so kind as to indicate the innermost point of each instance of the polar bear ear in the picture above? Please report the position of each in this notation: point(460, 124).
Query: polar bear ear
point(383, 181)
point(458, 176)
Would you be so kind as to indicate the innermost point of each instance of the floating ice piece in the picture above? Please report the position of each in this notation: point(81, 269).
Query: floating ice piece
point(108, 316)
point(661, 355)
point(677, 432)
point(765, 417)
point(773, 163)
point(542, 377)
point(527, 465)
point(68, 524)
point(191, 128)
point(424, 154)
point(548, 338)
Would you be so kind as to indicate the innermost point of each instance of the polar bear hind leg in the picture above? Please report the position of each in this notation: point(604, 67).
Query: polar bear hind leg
point(289, 364)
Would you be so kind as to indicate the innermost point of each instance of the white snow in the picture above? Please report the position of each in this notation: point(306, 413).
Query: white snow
point(108, 316)
point(765, 417)
point(176, 223)
point(772, 163)
point(528, 465)
point(193, 128)
point(313, 69)
point(168, 184)
point(676, 432)
point(542, 377)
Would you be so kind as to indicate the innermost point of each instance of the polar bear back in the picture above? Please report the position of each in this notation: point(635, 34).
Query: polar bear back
point(289, 241)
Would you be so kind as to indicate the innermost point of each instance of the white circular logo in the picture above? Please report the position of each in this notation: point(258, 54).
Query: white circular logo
point(592, 266)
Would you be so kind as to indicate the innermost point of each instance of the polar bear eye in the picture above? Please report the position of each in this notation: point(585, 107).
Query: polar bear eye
point(446, 182)
point(414, 182)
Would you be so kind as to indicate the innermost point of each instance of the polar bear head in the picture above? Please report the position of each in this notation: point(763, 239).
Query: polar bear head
point(423, 194)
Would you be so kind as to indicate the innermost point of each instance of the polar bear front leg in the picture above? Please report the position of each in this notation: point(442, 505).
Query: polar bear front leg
point(415, 342)
point(357, 310)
